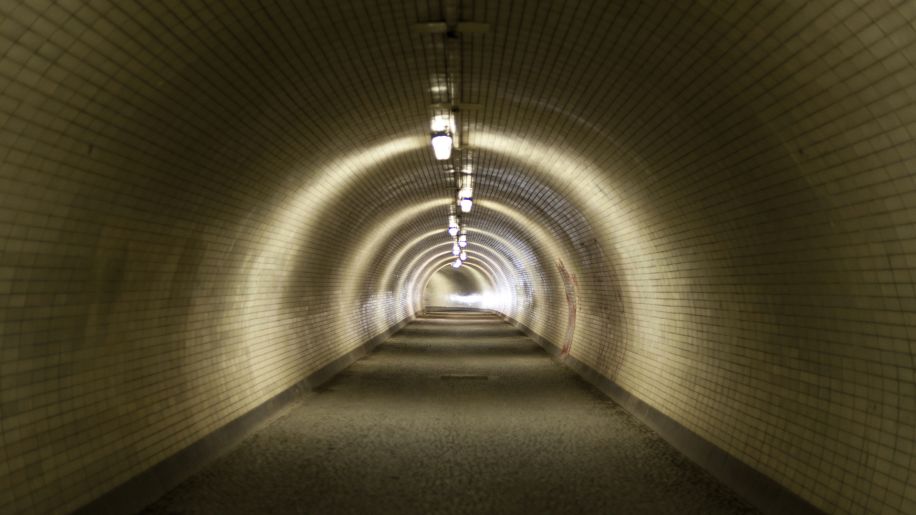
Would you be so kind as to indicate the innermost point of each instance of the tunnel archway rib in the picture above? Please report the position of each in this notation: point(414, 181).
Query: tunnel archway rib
point(519, 260)
point(529, 244)
point(531, 241)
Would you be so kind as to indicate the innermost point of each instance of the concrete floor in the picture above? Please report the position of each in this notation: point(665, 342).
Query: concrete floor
point(457, 413)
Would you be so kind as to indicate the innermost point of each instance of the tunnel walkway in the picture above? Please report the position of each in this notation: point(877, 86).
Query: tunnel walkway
point(457, 413)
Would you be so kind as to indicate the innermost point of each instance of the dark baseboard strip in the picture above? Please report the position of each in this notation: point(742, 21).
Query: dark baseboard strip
point(757, 488)
point(144, 489)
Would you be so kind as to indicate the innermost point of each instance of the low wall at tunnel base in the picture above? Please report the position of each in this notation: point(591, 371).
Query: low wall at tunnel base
point(765, 493)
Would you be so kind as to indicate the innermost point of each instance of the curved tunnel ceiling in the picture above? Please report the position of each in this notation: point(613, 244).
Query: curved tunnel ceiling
point(708, 203)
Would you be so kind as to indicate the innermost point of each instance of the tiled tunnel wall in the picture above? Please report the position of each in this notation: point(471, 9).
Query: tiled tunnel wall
point(710, 203)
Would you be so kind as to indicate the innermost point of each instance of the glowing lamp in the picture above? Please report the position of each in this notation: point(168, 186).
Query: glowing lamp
point(463, 256)
point(456, 249)
point(463, 240)
point(465, 193)
point(442, 145)
point(456, 263)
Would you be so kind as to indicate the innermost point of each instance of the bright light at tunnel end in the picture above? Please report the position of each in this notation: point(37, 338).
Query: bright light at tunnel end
point(479, 300)
point(468, 300)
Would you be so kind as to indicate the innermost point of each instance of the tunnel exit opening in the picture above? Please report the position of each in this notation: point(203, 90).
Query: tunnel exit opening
point(457, 288)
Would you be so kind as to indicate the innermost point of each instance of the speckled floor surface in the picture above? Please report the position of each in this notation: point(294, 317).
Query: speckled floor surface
point(458, 413)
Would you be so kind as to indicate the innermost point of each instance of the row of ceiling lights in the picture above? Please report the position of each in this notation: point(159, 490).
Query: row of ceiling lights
point(445, 129)
point(442, 143)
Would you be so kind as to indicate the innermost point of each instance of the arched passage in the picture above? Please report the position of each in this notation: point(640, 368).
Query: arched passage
point(202, 204)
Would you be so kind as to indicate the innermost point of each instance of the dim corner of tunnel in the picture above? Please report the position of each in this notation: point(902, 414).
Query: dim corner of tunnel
point(711, 205)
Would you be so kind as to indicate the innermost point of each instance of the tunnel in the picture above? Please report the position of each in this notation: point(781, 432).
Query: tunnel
point(703, 210)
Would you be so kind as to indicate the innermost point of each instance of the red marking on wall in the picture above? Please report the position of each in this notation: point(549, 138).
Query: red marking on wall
point(569, 283)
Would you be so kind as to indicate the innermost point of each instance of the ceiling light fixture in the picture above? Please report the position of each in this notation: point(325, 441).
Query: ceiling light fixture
point(465, 193)
point(442, 145)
